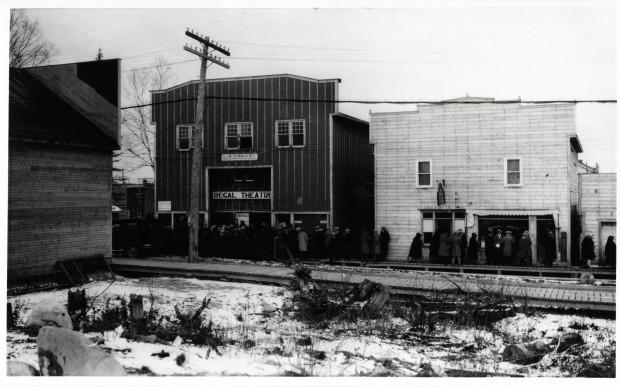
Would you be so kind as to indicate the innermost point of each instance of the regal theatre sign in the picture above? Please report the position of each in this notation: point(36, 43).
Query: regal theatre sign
point(241, 194)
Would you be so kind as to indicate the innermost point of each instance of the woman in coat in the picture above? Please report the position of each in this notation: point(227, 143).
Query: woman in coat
point(384, 239)
point(455, 247)
point(610, 252)
point(472, 249)
point(302, 242)
point(443, 251)
point(415, 251)
point(587, 251)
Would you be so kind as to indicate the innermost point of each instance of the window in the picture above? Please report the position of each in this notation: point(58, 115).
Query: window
point(512, 172)
point(239, 135)
point(444, 221)
point(424, 172)
point(185, 137)
point(291, 133)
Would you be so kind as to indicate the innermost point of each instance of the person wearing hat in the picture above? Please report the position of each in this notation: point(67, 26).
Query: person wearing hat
point(472, 249)
point(550, 248)
point(497, 247)
point(508, 248)
point(587, 252)
point(415, 251)
point(365, 242)
point(317, 242)
point(302, 242)
point(455, 247)
point(524, 252)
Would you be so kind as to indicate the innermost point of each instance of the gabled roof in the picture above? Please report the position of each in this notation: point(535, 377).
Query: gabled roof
point(75, 104)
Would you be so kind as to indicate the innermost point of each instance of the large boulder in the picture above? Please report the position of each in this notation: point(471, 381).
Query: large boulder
point(20, 368)
point(63, 352)
point(49, 313)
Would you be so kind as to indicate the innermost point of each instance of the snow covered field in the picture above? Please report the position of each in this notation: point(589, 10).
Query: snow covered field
point(264, 339)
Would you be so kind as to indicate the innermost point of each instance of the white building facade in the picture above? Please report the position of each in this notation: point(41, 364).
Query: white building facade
point(477, 166)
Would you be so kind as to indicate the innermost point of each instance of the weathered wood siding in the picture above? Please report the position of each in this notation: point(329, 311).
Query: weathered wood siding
point(353, 174)
point(59, 205)
point(597, 203)
point(467, 145)
point(300, 175)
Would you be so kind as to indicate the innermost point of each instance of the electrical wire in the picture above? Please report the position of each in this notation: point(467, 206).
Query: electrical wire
point(373, 102)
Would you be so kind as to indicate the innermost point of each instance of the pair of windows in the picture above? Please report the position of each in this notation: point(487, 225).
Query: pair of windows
point(240, 135)
point(512, 173)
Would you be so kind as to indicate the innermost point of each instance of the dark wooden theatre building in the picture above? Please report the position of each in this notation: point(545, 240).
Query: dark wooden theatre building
point(265, 159)
point(63, 127)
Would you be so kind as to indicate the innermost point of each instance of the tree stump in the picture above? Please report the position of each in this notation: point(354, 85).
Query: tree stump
point(528, 353)
point(136, 314)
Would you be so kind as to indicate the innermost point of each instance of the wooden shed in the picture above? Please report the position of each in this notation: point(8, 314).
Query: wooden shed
point(63, 127)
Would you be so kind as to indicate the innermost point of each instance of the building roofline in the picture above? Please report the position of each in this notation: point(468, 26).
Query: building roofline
point(350, 118)
point(65, 64)
point(338, 80)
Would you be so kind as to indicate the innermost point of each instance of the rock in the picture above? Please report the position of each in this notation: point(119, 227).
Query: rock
point(586, 278)
point(268, 308)
point(287, 305)
point(19, 368)
point(49, 313)
point(63, 352)
point(380, 370)
point(177, 342)
point(428, 369)
point(305, 341)
point(249, 343)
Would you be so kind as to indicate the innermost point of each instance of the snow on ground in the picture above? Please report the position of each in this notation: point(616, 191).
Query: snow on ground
point(275, 343)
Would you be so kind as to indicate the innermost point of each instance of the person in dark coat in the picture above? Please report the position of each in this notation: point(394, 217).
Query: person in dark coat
point(327, 244)
point(434, 247)
point(524, 251)
point(550, 249)
point(508, 248)
point(497, 248)
point(488, 248)
point(347, 243)
point(472, 249)
point(443, 251)
point(587, 251)
point(455, 247)
point(318, 242)
point(365, 244)
point(336, 243)
point(376, 245)
point(610, 252)
point(415, 251)
point(384, 239)
point(464, 246)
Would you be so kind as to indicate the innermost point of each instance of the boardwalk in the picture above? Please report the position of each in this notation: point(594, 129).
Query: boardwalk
point(601, 298)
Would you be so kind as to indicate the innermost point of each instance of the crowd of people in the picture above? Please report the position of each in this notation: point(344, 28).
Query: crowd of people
point(242, 241)
point(265, 242)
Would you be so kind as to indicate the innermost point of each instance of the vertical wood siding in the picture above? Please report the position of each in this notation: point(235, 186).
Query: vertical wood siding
point(301, 175)
point(59, 206)
point(598, 202)
point(353, 171)
point(467, 145)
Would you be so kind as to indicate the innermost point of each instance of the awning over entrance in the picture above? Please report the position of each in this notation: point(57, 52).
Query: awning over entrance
point(507, 212)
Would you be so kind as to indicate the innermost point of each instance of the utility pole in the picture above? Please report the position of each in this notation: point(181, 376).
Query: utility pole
point(197, 131)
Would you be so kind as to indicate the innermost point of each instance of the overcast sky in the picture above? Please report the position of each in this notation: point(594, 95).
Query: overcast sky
point(380, 54)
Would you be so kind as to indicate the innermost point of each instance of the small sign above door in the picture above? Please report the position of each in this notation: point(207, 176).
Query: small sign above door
point(239, 156)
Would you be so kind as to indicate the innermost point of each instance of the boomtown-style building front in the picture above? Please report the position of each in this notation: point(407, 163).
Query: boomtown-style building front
point(478, 167)
point(266, 158)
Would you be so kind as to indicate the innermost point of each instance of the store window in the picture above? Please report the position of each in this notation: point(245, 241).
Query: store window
point(512, 172)
point(424, 173)
point(239, 135)
point(444, 221)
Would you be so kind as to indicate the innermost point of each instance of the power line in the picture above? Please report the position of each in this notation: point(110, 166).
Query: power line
point(374, 102)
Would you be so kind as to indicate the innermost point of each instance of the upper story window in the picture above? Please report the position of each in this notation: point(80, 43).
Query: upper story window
point(513, 172)
point(185, 137)
point(239, 135)
point(424, 173)
point(290, 133)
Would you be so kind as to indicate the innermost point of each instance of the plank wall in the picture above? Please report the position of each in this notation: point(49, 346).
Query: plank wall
point(59, 206)
point(597, 202)
point(467, 145)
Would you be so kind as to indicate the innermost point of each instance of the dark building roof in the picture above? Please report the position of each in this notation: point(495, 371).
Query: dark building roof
point(74, 104)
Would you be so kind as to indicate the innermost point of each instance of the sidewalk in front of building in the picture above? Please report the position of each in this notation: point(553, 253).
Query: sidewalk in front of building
point(534, 292)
